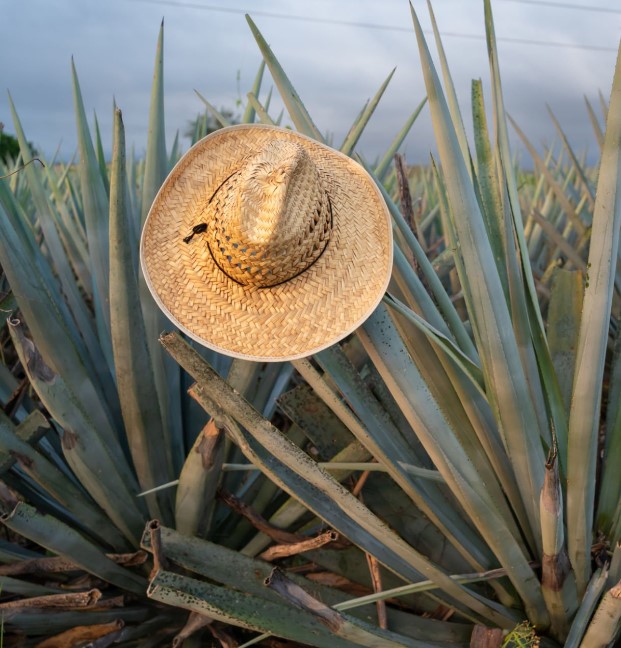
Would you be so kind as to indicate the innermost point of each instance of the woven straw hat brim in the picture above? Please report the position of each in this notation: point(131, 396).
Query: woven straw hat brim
point(294, 319)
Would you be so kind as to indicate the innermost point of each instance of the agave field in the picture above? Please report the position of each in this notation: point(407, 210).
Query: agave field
point(446, 476)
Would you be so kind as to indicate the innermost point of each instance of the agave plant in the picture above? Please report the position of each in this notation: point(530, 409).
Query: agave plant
point(446, 476)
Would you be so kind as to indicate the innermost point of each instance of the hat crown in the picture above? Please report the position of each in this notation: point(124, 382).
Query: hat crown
point(272, 219)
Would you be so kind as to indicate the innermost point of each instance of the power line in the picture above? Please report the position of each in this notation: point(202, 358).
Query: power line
point(565, 5)
point(528, 41)
point(349, 23)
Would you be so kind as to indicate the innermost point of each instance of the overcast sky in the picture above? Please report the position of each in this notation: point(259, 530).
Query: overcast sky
point(332, 50)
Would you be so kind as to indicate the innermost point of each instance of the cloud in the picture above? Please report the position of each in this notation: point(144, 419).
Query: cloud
point(334, 67)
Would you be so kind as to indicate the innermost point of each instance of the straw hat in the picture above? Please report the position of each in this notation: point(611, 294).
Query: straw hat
point(267, 245)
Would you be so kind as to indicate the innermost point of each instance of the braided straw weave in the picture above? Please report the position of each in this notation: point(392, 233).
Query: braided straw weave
point(296, 252)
